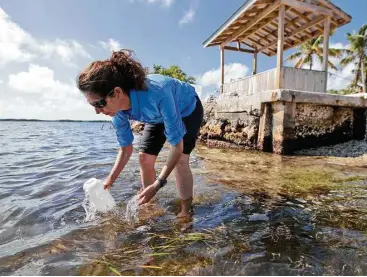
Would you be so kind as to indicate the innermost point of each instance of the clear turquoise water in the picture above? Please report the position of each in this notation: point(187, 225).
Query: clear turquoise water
point(243, 223)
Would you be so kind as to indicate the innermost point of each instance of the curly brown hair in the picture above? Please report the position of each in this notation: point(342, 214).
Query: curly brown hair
point(120, 70)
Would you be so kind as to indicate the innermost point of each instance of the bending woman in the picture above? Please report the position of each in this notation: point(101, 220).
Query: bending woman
point(170, 109)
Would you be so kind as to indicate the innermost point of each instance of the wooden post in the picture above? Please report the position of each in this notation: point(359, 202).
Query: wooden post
point(280, 46)
point(255, 63)
point(221, 68)
point(326, 49)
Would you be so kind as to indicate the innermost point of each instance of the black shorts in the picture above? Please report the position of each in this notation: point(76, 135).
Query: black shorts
point(154, 138)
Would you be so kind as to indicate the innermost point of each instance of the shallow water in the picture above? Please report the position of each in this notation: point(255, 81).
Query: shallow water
point(254, 213)
point(132, 210)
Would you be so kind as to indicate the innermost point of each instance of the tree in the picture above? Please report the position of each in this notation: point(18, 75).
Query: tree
point(357, 54)
point(344, 91)
point(173, 71)
point(312, 49)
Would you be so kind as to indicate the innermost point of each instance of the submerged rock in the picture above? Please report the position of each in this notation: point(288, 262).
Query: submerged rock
point(143, 228)
point(353, 148)
point(300, 201)
point(246, 257)
point(258, 217)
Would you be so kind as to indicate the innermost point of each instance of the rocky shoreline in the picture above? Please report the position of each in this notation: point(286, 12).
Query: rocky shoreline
point(230, 132)
point(240, 131)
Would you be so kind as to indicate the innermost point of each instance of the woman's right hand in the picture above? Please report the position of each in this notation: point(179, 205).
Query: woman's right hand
point(107, 184)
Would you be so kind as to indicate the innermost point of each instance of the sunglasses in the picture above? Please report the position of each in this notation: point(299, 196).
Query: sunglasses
point(100, 104)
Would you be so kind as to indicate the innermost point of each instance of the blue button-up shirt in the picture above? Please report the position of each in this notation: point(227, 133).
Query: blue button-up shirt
point(167, 101)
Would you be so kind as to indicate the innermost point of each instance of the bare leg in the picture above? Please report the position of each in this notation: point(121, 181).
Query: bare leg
point(147, 170)
point(184, 182)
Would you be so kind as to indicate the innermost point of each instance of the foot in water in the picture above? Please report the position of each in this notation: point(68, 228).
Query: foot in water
point(184, 219)
point(184, 214)
point(186, 209)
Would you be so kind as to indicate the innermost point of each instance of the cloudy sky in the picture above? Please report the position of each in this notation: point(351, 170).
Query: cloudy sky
point(44, 44)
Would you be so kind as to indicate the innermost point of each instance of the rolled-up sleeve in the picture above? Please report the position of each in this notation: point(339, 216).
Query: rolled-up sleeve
point(123, 130)
point(174, 128)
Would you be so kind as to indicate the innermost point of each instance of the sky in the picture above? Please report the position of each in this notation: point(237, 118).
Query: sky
point(44, 44)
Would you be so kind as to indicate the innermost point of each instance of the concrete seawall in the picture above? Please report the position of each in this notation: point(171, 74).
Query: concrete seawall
point(282, 121)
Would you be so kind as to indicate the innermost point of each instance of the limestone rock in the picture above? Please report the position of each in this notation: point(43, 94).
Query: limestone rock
point(229, 130)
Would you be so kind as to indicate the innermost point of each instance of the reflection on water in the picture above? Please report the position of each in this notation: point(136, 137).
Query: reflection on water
point(254, 213)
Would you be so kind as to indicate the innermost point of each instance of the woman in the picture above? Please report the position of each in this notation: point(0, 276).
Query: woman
point(120, 88)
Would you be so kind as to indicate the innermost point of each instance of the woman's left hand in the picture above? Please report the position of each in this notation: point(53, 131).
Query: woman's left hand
point(148, 193)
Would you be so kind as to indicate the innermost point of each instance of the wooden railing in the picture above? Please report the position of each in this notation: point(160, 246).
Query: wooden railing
point(303, 79)
point(291, 78)
point(252, 84)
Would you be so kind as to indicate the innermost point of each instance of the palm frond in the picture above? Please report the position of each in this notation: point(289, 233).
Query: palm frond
point(299, 63)
point(319, 51)
point(294, 56)
point(347, 60)
point(317, 41)
point(336, 52)
point(308, 60)
point(320, 58)
point(331, 65)
point(363, 30)
point(348, 52)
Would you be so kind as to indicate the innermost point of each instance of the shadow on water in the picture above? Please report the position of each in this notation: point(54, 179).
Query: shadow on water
point(254, 214)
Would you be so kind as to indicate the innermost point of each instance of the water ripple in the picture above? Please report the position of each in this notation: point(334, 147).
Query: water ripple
point(43, 168)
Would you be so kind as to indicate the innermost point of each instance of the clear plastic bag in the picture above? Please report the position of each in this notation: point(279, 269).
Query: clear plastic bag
point(100, 198)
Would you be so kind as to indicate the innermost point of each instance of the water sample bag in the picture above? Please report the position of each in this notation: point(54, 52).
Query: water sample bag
point(100, 198)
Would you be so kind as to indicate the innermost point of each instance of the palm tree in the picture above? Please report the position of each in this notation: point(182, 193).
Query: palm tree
point(311, 50)
point(357, 54)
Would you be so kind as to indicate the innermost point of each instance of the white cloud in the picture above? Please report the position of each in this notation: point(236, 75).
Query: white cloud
point(231, 71)
point(340, 79)
point(338, 45)
point(67, 51)
point(110, 45)
point(209, 82)
point(41, 80)
point(187, 17)
point(12, 41)
point(337, 79)
point(164, 3)
point(38, 94)
point(16, 45)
